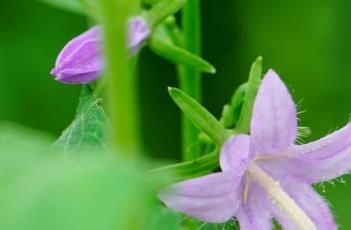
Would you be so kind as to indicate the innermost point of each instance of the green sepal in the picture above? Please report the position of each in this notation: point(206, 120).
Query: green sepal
point(179, 55)
point(231, 112)
point(243, 125)
point(303, 131)
point(201, 118)
point(162, 10)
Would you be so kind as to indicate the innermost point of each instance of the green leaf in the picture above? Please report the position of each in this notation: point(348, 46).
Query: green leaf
point(179, 55)
point(82, 7)
point(164, 218)
point(88, 130)
point(70, 5)
point(201, 118)
point(231, 112)
point(229, 225)
point(151, 2)
point(189, 169)
point(162, 10)
point(253, 83)
point(41, 190)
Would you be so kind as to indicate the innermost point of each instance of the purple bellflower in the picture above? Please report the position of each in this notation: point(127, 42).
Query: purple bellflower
point(80, 61)
point(265, 175)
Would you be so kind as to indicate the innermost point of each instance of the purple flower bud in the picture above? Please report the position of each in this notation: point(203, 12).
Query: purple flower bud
point(80, 61)
point(138, 32)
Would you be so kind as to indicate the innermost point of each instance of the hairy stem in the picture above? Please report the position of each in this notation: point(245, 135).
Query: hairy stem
point(189, 77)
point(281, 199)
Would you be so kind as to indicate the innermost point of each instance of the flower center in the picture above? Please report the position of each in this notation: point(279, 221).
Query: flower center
point(248, 175)
point(278, 196)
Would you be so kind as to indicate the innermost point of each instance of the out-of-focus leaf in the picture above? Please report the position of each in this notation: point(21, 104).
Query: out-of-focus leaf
point(40, 190)
point(164, 218)
point(75, 6)
point(201, 118)
point(162, 9)
point(229, 225)
point(83, 7)
point(179, 55)
point(243, 125)
point(151, 2)
point(231, 112)
point(88, 130)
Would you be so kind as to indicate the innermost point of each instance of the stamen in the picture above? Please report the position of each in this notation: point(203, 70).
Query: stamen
point(281, 199)
point(247, 186)
point(267, 157)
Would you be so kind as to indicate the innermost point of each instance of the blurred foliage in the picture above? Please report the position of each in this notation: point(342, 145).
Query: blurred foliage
point(42, 190)
point(306, 42)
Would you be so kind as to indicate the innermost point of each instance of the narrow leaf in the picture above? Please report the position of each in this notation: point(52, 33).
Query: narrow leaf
point(231, 112)
point(179, 55)
point(88, 130)
point(162, 10)
point(253, 83)
point(189, 169)
point(201, 118)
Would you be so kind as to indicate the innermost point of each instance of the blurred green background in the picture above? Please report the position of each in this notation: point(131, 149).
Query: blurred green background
point(306, 42)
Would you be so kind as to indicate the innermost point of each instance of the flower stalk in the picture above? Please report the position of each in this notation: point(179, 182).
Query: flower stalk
point(280, 198)
point(189, 77)
point(122, 92)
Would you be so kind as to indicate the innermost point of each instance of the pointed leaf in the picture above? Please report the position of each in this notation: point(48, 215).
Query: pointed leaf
point(201, 118)
point(253, 83)
point(162, 10)
point(179, 55)
point(189, 169)
point(88, 130)
point(231, 112)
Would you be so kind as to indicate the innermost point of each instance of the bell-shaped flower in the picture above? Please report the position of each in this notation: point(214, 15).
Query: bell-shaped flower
point(266, 175)
point(81, 61)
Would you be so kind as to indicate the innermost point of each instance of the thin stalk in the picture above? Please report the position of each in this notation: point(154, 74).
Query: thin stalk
point(122, 92)
point(189, 77)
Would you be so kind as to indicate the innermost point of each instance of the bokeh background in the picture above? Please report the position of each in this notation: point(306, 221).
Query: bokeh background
point(306, 42)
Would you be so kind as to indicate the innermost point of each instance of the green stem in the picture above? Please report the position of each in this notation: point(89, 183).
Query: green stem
point(189, 77)
point(122, 90)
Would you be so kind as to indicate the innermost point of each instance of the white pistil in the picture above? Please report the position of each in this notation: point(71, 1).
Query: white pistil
point(281, 199)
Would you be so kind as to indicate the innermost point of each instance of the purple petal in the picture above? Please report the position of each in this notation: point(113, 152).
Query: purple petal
point(80, 61)
point(138, 32)
point(71, 46)
point(273, 124)
point(311, 202)
point(212, 198)
point(257, 213)
point(325, 147)
point(235, 154)
point(306, 171)
point(326, 158)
